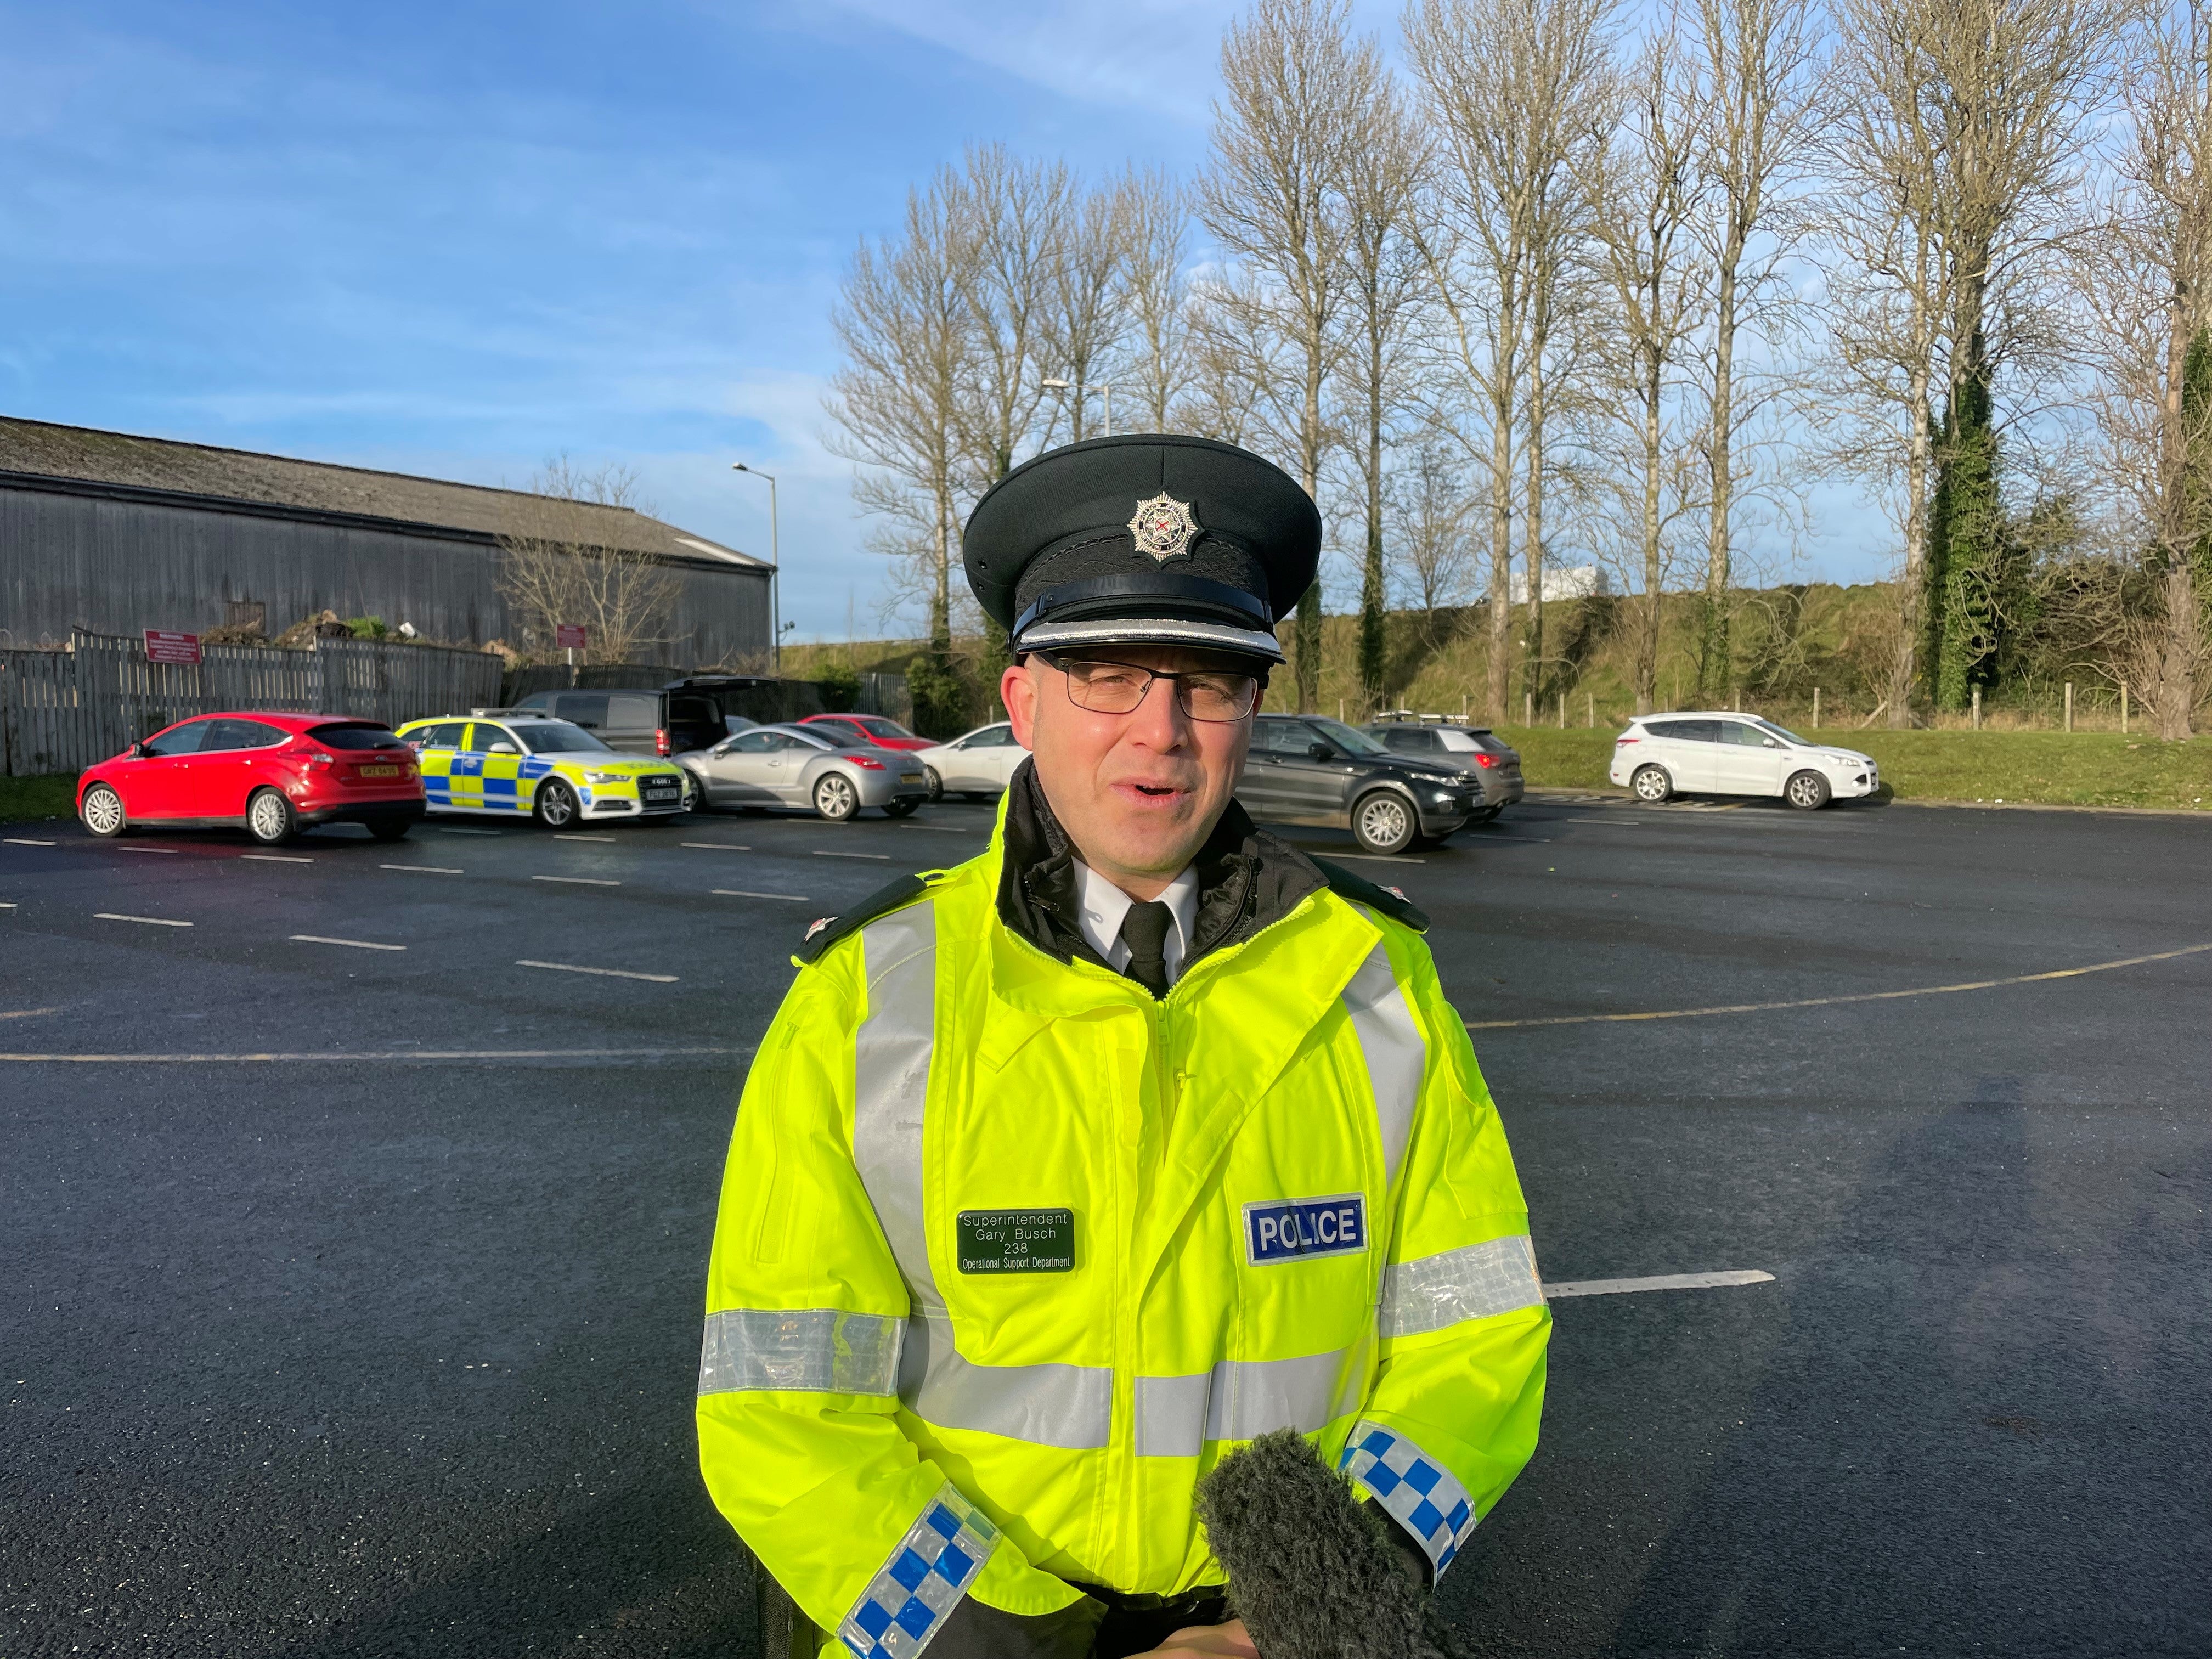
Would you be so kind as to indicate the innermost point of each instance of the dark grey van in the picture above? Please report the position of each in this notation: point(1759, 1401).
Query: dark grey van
point(642, 722)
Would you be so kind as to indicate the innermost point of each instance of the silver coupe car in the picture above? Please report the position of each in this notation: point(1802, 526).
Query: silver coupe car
point(799, 766)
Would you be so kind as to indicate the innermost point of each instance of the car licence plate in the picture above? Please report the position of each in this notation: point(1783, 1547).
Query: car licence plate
point(909, 777)
point(659, 789)
point(380, 772)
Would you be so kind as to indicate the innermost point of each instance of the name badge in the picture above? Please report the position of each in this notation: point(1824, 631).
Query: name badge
point(1292, 1229)
point(1015, 1240)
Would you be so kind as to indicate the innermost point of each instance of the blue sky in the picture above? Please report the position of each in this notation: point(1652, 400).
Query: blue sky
point(459, 238)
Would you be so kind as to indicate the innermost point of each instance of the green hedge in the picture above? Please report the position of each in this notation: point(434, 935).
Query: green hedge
point(37, 798)
point(2081, 768)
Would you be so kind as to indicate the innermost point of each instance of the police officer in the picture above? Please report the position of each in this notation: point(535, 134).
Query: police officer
point(1065, 1170)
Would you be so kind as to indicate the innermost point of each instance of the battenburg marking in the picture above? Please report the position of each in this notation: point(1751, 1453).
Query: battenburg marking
point(1292, 1229)
point(1016, 1240)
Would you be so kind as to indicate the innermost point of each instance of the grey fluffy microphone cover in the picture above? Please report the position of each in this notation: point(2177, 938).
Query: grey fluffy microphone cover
point(1311, 1570)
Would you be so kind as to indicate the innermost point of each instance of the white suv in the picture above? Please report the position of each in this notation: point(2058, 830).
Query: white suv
point(1729, 754)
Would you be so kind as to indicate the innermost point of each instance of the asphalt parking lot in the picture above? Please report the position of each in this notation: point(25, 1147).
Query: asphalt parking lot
point(356, 1200)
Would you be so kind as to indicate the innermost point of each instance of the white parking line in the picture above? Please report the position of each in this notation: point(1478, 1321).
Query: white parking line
point(575, 837)
point(942, 829)
point(141, 849)
point(424, 869)
point(1377, 858)
point(7, 907)
point(1605, 820)
point(275, 858)
point(456, 830)
point(739, 892)
point(578, 881)
point(18, 841)
point(1489, 835)
point(357, 943)
point(884, 858)
point(605, 973)
point(1659, 1282)
point(715, 846)
point(151, 921)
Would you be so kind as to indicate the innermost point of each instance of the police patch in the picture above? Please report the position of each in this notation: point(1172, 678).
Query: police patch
point(1292, 1229)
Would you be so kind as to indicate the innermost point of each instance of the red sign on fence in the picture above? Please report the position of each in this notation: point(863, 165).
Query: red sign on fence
point(163, 647)
point(569, 636)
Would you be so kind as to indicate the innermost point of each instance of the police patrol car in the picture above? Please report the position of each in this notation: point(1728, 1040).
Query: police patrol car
point(517, 762)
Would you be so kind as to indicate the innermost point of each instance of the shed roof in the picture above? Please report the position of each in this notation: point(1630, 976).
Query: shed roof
point(85, 453)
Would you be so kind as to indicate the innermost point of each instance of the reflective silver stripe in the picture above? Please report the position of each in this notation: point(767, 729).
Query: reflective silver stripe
point(927, 1572)
point(1396, 1057)
point(1071, 1406)
point(816, 1350)
point(1474, 1282)
point(891, 1084)
point(1420, 1493)
point(1242, 1399)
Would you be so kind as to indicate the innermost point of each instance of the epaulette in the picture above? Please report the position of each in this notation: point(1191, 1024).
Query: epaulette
point(828, 930)
point(1360, 890)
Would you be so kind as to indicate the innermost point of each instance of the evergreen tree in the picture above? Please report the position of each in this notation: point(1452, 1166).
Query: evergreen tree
point(1967, 535)
point(2197, 423)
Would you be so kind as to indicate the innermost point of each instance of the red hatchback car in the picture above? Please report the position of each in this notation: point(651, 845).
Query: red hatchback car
point(272, 774)
point(867, 729)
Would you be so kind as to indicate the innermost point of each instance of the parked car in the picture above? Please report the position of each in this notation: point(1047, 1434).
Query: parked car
point(1724, 753)
point(517, 762)
point(869, 729)
point(638, 721)
point(1302, 769)
point(805, 765)
point(271, 774)
point(1438, 738)
point(980, 763)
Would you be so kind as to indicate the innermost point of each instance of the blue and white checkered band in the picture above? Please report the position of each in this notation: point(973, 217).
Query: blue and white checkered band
point(907, 1603)
point(1421, 1494)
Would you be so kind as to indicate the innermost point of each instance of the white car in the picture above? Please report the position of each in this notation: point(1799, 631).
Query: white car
point(1724, 753)
point(980, 763)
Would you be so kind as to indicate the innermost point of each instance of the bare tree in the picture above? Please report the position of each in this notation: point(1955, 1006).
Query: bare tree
point(563, 558)
point(902, 320)
point(1016, 217)
point(1384, 281)
point(1431, 508)
point(2144, 285)
point(1272, 199)
point(1511, 87)
point(1754, 61)
point(1229, 359)
point(1643, 190)
point(1089, 299)
point(1153, 214)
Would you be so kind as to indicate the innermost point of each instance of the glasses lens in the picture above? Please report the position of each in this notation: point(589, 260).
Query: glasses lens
point(1217, 696)
point(1106, 687)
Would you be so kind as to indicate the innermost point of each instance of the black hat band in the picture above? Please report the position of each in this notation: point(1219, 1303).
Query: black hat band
point(1097, 596)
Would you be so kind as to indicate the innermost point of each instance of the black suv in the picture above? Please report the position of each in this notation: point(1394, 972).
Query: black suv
point(1303, 769)
point(1455, 745)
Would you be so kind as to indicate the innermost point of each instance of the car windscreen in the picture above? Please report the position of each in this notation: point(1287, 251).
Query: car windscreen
point(558, 738)
point(1351, 742)
point(876, 727)
point(358, 736)
point(1784, 733)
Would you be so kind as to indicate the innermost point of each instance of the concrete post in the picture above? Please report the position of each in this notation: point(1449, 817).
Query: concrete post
point(1978, 708)
point(2070, 705)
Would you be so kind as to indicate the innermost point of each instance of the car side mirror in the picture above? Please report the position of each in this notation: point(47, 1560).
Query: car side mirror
point(138, 750)
point(1771, 743)
point(502, 749)
point(1319, 751)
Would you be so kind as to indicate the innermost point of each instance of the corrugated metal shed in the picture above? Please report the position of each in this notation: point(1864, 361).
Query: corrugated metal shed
point(116, 533)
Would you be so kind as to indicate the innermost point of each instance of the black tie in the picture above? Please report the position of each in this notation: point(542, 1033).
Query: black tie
point(1145, 930)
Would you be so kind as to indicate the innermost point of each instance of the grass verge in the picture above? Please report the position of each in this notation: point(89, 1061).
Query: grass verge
point(2057, 768)
point(37, 798)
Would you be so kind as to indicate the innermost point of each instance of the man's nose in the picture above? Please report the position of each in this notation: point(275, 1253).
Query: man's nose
point(1159, 721)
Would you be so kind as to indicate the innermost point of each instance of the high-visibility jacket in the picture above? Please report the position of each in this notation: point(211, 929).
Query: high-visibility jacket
point(1009, 1255)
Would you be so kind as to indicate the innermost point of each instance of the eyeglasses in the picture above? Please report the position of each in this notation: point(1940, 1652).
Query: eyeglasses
point(1115, 687)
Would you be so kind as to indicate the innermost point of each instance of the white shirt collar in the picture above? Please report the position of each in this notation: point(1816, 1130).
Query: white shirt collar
point(1104, 905)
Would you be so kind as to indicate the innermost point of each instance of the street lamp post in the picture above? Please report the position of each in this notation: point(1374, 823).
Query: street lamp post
point(1104, 389)
point(775, 569)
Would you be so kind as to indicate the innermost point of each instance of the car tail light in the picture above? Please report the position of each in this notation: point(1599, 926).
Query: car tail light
point(321, 758)
point(863, 761)
point(660, 743)
point(1619, 742)
point(1484, 759)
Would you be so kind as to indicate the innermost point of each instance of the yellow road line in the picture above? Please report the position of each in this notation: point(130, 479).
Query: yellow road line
point(1831, 1002)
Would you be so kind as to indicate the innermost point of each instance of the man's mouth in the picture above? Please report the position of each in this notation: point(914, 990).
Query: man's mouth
point(1149, 794)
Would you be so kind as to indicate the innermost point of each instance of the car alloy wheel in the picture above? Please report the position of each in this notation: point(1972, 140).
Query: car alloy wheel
point(1807, 790)
point(269, 817)
point(1383, 823)
point(555, 806)
point(935, 783)
point(694, 799)
point(103, 811)
point(836, 799)
point(1651, 784)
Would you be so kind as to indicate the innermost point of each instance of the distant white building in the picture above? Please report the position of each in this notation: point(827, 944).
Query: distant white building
point(1573, 581)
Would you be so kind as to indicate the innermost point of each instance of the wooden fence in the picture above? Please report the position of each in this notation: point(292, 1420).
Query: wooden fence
point(61, 711)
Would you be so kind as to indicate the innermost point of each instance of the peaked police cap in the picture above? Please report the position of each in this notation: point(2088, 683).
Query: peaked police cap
point(1146, 539)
